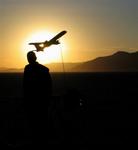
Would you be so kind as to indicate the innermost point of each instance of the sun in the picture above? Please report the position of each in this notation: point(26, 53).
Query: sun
point(50, 54)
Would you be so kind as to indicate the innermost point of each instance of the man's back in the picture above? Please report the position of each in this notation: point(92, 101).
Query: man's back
point(37, 81)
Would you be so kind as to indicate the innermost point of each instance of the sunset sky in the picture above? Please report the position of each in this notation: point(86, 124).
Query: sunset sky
point(95, 28)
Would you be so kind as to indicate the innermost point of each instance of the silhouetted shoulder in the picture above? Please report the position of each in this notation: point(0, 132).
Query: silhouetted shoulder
point(43, 67)
point(36, 66)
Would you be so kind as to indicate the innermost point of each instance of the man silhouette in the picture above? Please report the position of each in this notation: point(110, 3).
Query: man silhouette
point(37, 80)
point(37, 84)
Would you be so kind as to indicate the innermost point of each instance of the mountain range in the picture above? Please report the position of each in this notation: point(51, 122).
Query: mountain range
point(120, 61)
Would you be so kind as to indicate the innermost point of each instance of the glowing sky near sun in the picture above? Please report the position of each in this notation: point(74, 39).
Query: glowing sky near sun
point(95, 27)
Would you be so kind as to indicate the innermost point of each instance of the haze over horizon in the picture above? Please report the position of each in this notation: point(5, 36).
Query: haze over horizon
point(95, 27)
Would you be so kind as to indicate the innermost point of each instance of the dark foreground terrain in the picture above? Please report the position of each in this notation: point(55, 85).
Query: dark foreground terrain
point(106, 114)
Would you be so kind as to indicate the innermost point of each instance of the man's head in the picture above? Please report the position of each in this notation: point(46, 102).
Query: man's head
point(31, 57)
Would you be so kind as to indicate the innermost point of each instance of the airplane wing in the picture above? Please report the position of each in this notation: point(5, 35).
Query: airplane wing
point(36, 43)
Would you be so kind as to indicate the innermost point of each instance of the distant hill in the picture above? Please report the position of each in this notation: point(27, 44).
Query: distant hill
point(59, 67)
point(53, 67)
point(6, 70)
point(118, 62)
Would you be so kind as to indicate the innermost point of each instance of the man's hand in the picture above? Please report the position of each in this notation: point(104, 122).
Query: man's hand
point(49, 43)
point(56, 42)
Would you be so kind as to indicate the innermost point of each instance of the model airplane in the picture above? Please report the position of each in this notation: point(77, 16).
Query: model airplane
point(54, 41)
